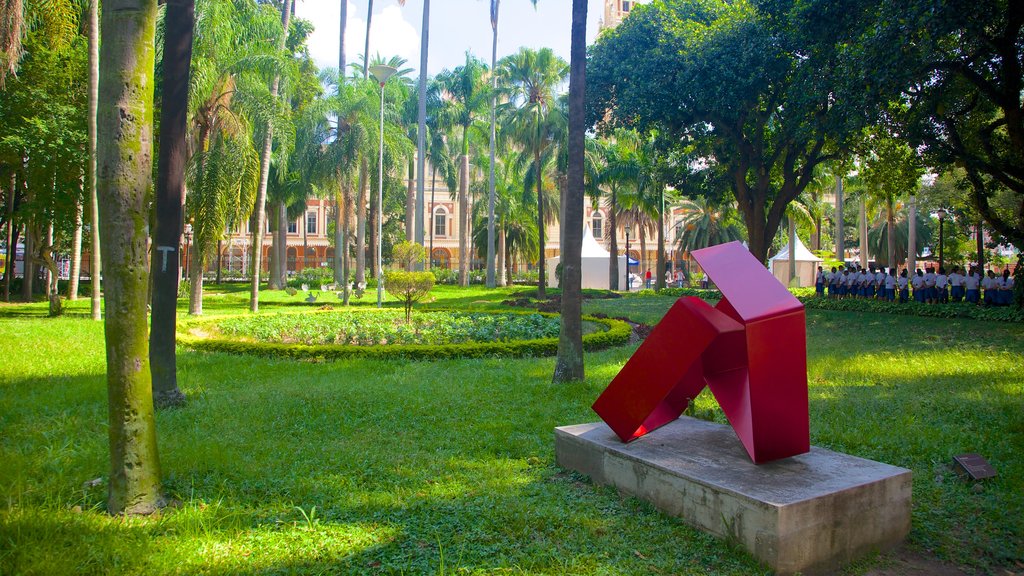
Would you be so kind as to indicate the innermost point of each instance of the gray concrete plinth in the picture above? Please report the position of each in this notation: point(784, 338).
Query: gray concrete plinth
point(810, 513)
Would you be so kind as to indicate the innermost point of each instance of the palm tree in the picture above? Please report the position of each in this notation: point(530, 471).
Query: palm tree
point(706, 224)
point(891, 172)
point(465, 95)
point(569, 363)
point(90, 167)
point(125, 165)
point(261, 192)
point(530, 78)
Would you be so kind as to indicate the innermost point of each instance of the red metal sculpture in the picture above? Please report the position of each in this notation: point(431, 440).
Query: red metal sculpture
point(750, 350)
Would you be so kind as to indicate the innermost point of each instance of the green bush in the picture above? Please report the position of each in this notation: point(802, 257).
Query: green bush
point(314, 277)
point(445, 275)
point(409, 287)
point(616, 334)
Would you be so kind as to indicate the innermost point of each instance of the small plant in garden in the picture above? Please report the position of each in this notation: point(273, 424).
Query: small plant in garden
point(407, 254)
point(409, 287)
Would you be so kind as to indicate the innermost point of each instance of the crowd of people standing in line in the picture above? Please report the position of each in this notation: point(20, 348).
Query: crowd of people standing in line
point(928, 286)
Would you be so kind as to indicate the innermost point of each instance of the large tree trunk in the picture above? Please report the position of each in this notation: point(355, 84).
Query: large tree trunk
point(569, 363)
point(660, 282)
point(124, 160)
point(890, 233)
point(340, 200)
point(179, 21)
point(76, 254)
point(502, 279)
point(339, 236)
point(273, 258)
point(261, 192)
point(90, 166)
point(28, 267)
point(281, 245)
point(346, 235)
point(464, 219)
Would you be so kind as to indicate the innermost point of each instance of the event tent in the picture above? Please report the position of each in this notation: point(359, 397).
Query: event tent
point(806, 265)
point(594, 265)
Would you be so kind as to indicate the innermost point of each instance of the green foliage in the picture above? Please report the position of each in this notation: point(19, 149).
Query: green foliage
point(382, 334)
point(313, 277)
point(409, 287)
point(950, 310)
point(405, 255)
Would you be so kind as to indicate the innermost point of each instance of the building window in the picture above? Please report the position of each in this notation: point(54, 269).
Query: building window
point(597, 225)
point(293, 227)
point(311, 222)
point(440, 222)
point(626, 6)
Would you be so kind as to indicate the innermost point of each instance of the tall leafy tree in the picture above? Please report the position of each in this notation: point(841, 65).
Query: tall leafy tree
point(125, 120)
point(767, 87)
point(891, 171)
point(531, 78)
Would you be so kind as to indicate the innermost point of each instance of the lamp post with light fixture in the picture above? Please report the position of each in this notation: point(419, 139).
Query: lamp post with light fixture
point(381, 73)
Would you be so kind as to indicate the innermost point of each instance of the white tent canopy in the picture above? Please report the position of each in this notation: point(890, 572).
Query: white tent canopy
point(806, 265)
point(594, 262)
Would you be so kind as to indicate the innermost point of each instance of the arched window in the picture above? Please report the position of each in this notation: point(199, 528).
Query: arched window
point(440, 221)
point(441, 258)
point(597, 225)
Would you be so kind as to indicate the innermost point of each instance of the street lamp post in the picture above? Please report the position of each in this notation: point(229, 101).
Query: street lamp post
point(381, 73)
point(942, 239)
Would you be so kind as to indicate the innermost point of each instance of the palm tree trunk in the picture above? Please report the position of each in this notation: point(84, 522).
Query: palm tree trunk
point(502, 279)
point(792, 250)
point(28, 267)
point(90, 165)
point(840, 240)
point(410, 203)
point(179, 22)
point(124, 163)
point(273, 258)
point(490, 188)
point(366, 48)
point(541, 273)
point(281, 245)
point(361, 225)
point(261, 192)
point(339, 234)
point(912, 234)
point(890, 232)
point(613, 262)
point(12, 249)
point(863, 233)
point(660, 282)
point(569, 363)
point(346, 263)
point(433, 189)
point(76, 254)
point(464, 218)
point(421, 133)
point(340, 200)
point(195, 276)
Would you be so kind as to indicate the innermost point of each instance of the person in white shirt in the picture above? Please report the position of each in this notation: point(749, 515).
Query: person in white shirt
point(990, 286)
point(880, 288)
point(941, 280)
point(929, 285)
point(901, 283)
point(972, 283)
point(956, 284)
point(1007, 288)
point(917, 282)
point(819, 283)
point(889, 283)
point(851, 283)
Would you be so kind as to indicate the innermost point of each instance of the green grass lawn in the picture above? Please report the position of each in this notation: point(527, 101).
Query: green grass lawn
point(400, 467)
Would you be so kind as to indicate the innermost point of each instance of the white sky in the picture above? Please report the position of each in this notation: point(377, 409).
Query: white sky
point(455, 27)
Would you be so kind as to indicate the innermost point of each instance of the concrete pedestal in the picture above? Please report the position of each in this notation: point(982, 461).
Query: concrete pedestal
point(808, 514)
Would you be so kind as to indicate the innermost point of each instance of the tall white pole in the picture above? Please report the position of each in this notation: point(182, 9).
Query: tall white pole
point(380, 204)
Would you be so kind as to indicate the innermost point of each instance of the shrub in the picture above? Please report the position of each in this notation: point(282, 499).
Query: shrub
point(313, 277)
point(407, 254)
point(445, 275)
point(410, 287)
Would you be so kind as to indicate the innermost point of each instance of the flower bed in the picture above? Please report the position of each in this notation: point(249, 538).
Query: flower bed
point(384, 333)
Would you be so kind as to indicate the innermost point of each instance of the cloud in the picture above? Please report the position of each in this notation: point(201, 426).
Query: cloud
point(390, 33)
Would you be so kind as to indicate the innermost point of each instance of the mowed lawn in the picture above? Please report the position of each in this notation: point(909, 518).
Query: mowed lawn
point(400, 467)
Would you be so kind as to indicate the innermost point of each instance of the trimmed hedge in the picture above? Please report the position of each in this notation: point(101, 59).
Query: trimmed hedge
point(617, 334)
point(950, 310)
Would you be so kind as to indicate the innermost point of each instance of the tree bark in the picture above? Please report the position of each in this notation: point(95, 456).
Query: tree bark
point(421, 133)
point(840, 237)
point(863, 233)
point(660, 282)
point(613, 262)
point(76, 254)
point(124, 162)
point(491, 268)
point(410, 204)
point(90, 166)
point(541, 273)
point(195, 276)
point(912, 235)
point(464, 219)
point(12, 245)
point(273, 258)
point(890, 233)
point(569, 363)
point(361, 225)
point(281, 245)
point(179, 21)
point(28, 267)
point(261, 192)
point(341, 200)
